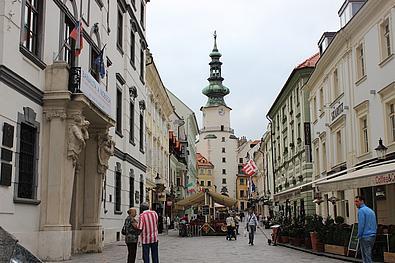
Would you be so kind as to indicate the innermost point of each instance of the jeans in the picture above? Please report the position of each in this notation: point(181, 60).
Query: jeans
point(367, 244)
point(251, 233)
point(132, 249)
point(154, 252)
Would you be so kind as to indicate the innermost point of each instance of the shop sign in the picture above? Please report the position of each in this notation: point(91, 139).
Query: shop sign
point(95, 92)
point(385, 179)
point(336, 112)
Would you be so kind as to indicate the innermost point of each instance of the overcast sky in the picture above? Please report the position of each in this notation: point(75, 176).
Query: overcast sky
point(261, 41)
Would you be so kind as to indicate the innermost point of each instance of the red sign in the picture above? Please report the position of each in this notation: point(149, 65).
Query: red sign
point(385, 179)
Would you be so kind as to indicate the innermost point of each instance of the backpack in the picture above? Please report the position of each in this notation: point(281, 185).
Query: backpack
point(124, 229)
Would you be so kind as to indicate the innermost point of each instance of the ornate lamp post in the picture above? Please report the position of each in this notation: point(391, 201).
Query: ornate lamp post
point(381, 150)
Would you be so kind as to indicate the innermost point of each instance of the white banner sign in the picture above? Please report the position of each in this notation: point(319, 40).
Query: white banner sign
point(95, 92)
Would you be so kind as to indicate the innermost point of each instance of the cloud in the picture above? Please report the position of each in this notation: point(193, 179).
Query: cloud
point(261, 42)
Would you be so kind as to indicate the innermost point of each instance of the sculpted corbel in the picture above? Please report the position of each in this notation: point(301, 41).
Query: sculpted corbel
point(78, 134)
point(106, 148)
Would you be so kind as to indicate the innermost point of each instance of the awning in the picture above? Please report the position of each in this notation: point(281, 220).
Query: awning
point(198, 198)
point(374, 175)
point(291, 193)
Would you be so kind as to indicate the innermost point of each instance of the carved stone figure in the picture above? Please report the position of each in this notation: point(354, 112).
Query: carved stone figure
point(78, 134)
point(105, 150)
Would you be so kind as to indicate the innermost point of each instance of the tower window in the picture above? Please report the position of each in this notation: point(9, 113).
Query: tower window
point(223, 149)
point(223, 159)
point(223, 171)
point(222, 128)
point(223, 139)
point(224, 180)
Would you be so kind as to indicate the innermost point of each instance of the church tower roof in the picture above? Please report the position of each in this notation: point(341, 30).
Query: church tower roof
point(215, 91)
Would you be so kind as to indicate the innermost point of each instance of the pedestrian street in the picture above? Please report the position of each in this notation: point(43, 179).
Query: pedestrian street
point(215, 249)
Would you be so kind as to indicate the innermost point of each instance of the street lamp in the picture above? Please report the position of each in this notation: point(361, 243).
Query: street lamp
point(381, 150)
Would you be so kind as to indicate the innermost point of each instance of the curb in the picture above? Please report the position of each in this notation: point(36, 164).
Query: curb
point(322, 254)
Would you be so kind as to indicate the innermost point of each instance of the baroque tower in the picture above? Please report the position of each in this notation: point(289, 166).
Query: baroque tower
point(217, 141)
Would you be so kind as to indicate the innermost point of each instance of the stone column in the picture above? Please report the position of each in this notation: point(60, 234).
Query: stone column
point(98, 150)
point(64, 136)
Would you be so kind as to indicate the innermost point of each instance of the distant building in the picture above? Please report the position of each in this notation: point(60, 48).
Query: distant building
point(291, 143)
point(205, 173)
point(217, 141)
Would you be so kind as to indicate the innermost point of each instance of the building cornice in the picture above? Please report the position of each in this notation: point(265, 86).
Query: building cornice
point(128, 158)
point(21, 85)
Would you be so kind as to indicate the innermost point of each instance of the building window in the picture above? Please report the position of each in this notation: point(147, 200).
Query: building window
point(27, 156)
point(339, 149)
point(223, 171)
point(119, 112)
point(208, 183)
point(94, 68)
point(241, 181)
point(392, 121)
point(142, 14)
point(223, 149)
point(132, 46)
point(201, 183)
point(119, 29)
point(131, 189)
point(224, 180)
point(322, 102)
point(364, 135)
point(385, 36)
point(241, 193)
point(69, 43)
point(131, 122)
point(27, 148)
point(223, 159)
point(142, 65)
point(360, 61)
point(324, 161)
point(31, 28)
point(317, 162)
point(222, 127)
point(118, 185)
point(241, 206)
point(336, 86)
point(141, 189)
point(141, 132)
point(297, 96)
point(223, 139)
point(314, 108)
point(240, 160)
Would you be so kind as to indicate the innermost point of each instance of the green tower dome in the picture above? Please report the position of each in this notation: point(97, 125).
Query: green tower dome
point(215, 91)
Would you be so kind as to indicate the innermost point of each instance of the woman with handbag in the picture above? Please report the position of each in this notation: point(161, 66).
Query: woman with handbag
point(131, 232)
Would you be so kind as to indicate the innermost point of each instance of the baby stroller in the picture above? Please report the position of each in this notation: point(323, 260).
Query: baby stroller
point(231, 233)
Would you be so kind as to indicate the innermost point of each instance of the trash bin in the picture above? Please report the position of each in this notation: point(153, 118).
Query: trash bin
point(275, 233)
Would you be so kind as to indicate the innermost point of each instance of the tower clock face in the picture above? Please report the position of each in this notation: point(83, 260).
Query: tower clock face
point(221, 112)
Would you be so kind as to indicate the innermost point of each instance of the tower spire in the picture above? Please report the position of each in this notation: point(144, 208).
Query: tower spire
point(215, 91)
point(215, 41)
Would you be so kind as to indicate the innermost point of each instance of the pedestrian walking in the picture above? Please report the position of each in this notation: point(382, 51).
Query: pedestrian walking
point(237, 222)
point(367, 228)
point(251, 225)
point(242, 216)
point(148, 224)
point(230, 225)
point(131, 231)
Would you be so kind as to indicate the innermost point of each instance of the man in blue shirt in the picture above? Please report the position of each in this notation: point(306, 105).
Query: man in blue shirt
point(367, 227)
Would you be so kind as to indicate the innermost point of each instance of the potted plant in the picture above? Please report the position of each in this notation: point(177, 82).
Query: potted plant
point(316, 235)
point(294, 181)
point(284, 234)
point(390, 256)
point(308, 227)
point(286, 184)
point(300, 177)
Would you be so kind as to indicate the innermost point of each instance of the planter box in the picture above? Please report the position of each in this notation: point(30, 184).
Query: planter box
point(307, 243)
point(389, 257)
point(338, 250)
point(285, 239)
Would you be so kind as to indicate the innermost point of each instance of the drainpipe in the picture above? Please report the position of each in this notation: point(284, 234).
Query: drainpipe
point(271, 142)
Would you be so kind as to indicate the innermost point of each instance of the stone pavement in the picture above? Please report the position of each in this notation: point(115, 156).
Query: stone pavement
point(207, 250)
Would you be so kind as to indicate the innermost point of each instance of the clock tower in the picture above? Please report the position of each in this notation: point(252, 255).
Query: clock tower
point(217, 141)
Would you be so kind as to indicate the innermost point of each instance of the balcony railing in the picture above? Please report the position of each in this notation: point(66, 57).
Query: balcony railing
point(216, 129)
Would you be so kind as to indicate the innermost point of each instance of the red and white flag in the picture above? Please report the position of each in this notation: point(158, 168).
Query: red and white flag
point(77, 35)
point(249, 168)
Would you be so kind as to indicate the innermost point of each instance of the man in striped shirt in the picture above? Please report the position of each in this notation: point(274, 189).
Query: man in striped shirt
point(148, 224)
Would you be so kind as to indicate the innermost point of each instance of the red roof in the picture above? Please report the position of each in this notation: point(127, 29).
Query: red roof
point(310, 62)
point(202, 161)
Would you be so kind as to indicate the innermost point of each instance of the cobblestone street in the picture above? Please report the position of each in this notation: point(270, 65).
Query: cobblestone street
point(208, 250)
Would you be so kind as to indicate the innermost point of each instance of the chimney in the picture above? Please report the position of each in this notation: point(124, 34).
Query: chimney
point(348, 10)
point(325, 40)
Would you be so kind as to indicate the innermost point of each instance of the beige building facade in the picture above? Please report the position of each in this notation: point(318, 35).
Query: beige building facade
point(352, 104)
